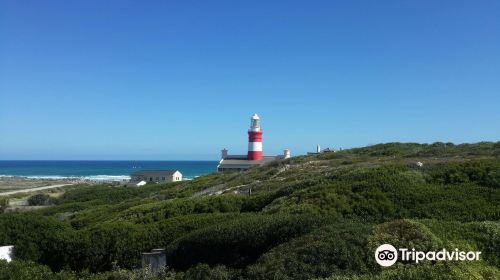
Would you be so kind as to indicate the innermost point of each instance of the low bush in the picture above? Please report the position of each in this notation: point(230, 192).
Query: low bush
point(238, 242)
point(404, 234)
point(338, 248)
point(40, 199)
point(4, 203)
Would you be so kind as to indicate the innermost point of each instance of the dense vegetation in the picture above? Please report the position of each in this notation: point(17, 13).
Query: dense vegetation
point(318, 216)
point(39, 199)
point(4, 202)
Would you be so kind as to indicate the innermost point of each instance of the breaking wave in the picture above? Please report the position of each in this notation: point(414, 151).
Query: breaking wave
point(84, 178)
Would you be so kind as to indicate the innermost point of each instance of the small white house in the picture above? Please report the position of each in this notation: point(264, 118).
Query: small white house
point(140, 178)
point(6, 253)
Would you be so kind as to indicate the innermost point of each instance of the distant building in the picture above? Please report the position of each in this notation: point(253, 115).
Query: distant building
point(140, 178)
point(235, 163)
point(254, 157)
point(319, 151)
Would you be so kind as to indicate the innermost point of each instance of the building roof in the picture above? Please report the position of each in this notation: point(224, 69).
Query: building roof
point(232, 162)
point(236, 157)
point(154, 173)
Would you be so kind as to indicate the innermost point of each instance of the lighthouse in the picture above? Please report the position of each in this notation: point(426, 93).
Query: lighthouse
point(255, 139)
point(254, 157)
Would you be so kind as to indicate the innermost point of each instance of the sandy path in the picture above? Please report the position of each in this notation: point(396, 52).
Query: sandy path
point(34, 189)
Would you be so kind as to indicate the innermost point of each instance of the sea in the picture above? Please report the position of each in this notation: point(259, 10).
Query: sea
point(105, 170)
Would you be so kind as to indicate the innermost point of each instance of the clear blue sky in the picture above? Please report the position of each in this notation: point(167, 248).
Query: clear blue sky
point(180, 79)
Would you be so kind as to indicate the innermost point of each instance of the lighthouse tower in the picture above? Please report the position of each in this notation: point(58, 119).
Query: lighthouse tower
point(255, 139)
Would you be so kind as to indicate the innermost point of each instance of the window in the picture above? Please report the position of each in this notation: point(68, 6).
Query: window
point(255, 123)
point(157, 178)
point(163, 178)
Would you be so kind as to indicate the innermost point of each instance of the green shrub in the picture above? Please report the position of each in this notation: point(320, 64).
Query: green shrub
point(20, 270)
point(339, 248)
point(487, 235)
point(39, 199)
point(462, 271)
point(4, 203)
point(404, 234)
point(238, 242)
point(483, 172)
point(205, 272)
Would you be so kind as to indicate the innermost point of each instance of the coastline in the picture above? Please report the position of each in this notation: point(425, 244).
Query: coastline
point(94, 171)
point(15, 183)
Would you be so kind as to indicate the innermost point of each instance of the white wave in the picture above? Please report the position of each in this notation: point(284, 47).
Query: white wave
point(107, 177)
point(59, 177)
point(52, 177)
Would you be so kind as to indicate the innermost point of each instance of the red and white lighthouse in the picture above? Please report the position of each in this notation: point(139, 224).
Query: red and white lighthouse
point(255, 139)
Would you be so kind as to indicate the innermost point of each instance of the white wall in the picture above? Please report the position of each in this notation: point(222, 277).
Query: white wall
point(6, 253)
point(177, 176)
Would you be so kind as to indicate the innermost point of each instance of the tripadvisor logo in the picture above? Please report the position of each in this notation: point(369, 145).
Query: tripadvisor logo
point(387, 255)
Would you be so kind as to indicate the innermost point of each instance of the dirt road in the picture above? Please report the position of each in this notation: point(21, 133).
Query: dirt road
point(33, 189)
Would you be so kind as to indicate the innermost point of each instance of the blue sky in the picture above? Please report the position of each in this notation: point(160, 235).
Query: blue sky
point(180, 79)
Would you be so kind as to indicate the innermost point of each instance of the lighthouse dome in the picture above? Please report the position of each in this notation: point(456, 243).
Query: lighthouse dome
point(255, 123)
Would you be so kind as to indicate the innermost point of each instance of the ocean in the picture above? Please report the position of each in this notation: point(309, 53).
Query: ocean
point(99, 169)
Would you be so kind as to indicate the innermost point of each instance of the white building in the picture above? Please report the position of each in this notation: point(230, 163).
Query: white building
point(140, 178)
point(319, 151)
point(240, 162)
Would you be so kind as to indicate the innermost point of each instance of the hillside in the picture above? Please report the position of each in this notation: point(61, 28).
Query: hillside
point(306, 217)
